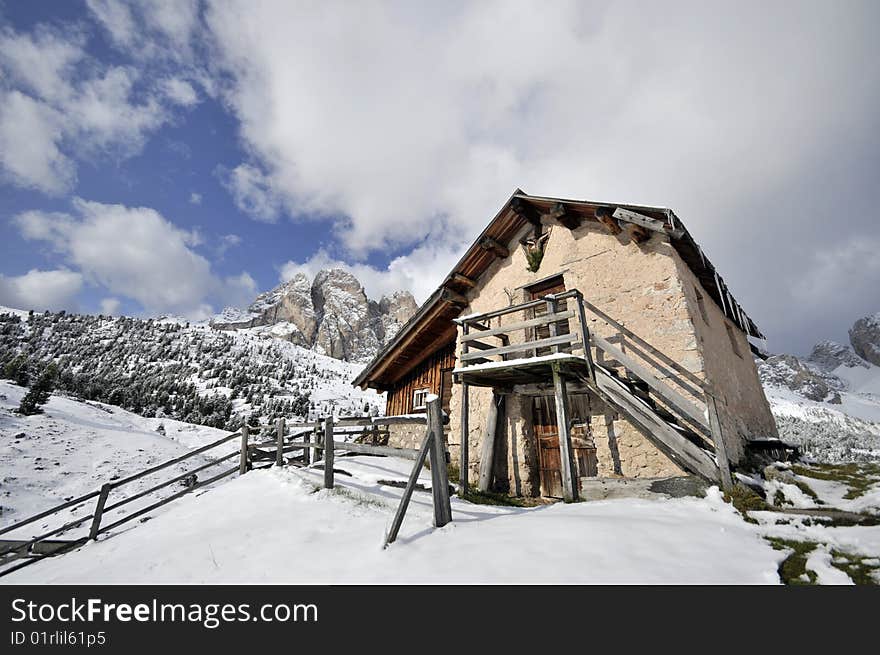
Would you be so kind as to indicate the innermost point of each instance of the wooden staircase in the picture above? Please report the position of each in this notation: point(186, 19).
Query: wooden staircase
point(673, 408)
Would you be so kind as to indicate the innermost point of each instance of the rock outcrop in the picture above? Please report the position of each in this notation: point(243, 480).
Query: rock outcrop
point(331, 315)
point(828, 355)
point(790, 372)
point(865, 338)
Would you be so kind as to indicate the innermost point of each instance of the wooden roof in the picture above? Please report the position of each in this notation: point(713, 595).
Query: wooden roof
point(432, 327)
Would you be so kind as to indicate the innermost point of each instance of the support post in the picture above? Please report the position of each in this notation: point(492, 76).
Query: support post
point(569, 481)
point(439, 474)
point(99, 511)
point(612, 443)
point(585, 336)
point(391, 537)
point(279, 442)
point(328, 452)
point(243, 460)
point(464, 453)
point(487, 452)
point(720, 446)
point(307, 452)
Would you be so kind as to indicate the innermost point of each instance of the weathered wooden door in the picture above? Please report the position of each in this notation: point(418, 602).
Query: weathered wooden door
point(547, 438)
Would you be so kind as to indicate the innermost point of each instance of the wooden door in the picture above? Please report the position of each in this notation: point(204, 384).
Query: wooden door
point(554, 285)
point(547, 438)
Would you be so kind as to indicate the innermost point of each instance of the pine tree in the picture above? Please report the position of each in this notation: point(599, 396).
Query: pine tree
point(38, 394)
point(18, 370)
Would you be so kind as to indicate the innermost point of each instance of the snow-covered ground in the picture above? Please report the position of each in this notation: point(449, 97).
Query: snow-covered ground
point(278, 526)
point(75, 447)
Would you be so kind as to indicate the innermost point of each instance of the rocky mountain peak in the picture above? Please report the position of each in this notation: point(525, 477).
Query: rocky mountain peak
point(864, 336)
point(828, 355)
point(331, 314)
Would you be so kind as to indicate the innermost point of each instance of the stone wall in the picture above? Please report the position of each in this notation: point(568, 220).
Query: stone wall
point(743, 409)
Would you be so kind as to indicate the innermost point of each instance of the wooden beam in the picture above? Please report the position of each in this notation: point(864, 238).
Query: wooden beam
point(495, 247)
point(487, 452)
point(328, 452)
point(463, 279)
point(464, 453)
point(603, 215)
point(637, 233)
point(562, 339)
point(525, 211)
point(519, 325)
point(646, 222)
point(720, 446)
point(439, 474)
point(569, 480)
point(454, 298)
point(559, 213)
point(410, 486)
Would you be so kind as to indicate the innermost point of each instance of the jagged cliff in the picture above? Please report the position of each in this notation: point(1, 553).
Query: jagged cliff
point(330, 314)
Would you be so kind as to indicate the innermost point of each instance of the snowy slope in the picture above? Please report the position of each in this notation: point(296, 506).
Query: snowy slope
point(75, 447)
point(223, 535)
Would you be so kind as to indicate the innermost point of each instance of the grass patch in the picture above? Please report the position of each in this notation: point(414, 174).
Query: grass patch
point(745, 500)
point(793, 569)
point(453, 473)
point(856, 568)
point(493, 498)
point(858, 477)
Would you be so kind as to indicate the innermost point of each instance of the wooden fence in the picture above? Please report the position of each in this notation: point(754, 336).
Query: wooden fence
point(315, 441)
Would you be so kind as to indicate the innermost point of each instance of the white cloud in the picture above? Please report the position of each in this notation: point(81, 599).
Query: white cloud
point(110, 306)
point(58, 104)
point(227, 241)
point(149, 28)
point(137, 253)
point(40, 290)
point(29, 135)
point(195, 198)
point(180, 91)
point(252, 192)
point(419, 121)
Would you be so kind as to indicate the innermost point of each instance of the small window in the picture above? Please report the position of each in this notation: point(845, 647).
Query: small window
point(701, 303)
point(733, 342)
point(420, 398)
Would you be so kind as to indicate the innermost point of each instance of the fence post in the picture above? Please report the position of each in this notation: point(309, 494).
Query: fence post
point(99, 511)
point(243, 462)
point(328, 452)
point(307, 452)
point(317, 453)
point(439, 474)
point(279, 448)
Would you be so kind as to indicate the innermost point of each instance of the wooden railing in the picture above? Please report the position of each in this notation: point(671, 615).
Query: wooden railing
point(563, 328)
point(317, 440)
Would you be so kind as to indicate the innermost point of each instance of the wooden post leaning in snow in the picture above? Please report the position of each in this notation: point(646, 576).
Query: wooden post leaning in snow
point(410, 486)
point(99, 511)
point(487, 452)
point(718, 438)
point(569, 481)
point(464, 452)
point(439, 474)
point(279, 442)
point(328, 452)
point(243, 460)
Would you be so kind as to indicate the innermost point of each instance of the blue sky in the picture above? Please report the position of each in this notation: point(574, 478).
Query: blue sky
point(175, 156)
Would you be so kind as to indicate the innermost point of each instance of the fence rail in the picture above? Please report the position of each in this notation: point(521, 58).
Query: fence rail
point(324, 438)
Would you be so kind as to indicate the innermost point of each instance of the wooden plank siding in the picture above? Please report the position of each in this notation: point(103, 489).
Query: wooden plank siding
point(428, 374)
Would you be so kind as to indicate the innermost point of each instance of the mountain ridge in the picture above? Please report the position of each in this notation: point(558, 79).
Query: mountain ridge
point(330, 314)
